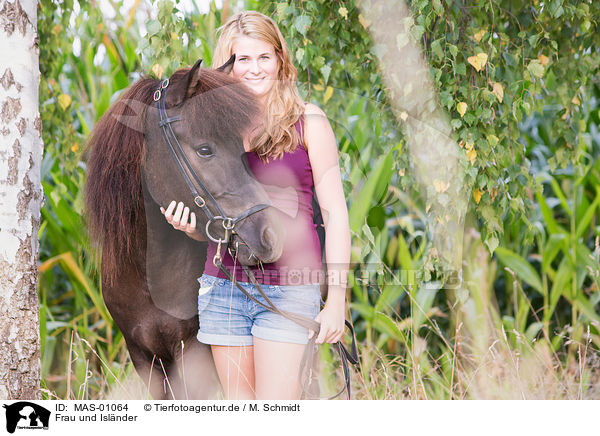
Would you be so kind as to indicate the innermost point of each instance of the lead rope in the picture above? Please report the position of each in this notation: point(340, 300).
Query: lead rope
point(308, 355)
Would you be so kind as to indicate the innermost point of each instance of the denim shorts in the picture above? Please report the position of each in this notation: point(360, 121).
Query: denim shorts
point(228, 317)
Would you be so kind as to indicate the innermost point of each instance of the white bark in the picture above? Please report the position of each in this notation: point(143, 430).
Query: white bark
point(20, 200)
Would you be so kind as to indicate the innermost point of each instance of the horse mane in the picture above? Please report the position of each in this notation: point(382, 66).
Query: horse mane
point(113, 194)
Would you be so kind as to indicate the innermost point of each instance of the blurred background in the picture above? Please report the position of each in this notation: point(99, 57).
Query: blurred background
point(517, 83)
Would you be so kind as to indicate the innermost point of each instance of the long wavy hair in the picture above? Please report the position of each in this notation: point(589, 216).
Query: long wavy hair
point(283, 106)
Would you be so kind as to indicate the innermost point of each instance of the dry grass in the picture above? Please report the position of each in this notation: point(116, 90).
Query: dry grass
point(498, 374)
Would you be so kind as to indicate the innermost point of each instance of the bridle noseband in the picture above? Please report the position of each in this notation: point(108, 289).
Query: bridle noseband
point(186, 170)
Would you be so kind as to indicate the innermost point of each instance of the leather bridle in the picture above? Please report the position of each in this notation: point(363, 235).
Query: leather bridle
point(229, 223)
point(186, 170)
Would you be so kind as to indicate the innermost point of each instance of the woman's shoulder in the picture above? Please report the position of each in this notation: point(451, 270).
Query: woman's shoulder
point(313, 109)
point(315, 124)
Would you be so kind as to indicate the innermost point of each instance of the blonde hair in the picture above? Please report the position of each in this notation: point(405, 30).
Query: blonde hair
point(283, 106)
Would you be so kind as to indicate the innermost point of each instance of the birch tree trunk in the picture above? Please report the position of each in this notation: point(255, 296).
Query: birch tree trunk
point(20, 200)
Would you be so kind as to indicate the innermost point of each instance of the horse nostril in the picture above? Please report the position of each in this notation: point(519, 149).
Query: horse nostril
point(269, 238)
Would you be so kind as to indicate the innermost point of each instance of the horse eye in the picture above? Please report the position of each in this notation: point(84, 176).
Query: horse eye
point(205, 150)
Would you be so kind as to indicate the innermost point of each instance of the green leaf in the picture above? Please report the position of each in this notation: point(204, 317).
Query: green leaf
point(492, 243)
point(401, 40)
point(586, 307)
point(548, 215)
point(325, 71)
point(533, 330)
point(389, 296)
point(380, 176)
point(282, 10)
point(555, 8)
point(404, 257)
point(300, 55)
point(536, 68)
point(560, 286)
point(520, 267)
point(302, 24)
point(551, 249)
point(436, 49)
point(366, 230)
point(561, 196)
point(380, 321)
point(587, 217)
point(417, 32)
point(493, 140)
point(424, 301)
point(153, 27)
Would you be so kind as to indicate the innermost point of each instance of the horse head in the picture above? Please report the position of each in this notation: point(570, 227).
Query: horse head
point(212, 112)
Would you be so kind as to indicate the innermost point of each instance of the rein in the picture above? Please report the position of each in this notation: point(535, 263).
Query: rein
point(186, 170)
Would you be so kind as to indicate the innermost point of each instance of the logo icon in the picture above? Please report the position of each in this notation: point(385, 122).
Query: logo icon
point(24, 414)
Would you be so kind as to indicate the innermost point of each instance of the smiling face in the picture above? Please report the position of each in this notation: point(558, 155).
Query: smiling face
point(256, 64)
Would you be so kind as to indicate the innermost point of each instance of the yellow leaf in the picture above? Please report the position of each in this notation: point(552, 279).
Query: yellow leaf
point(479, 35)
point(461, 107)
point(328, 94)
point(75, 147)
point(174, 35)
point(477, 195)
point(478, 61)
point(498, 91)
point(471, 155)
point(363, 21)
point(318, 87)
point(343, 12)
point(493, 193)
point(441, 186)
point(403, 115)
point(566, 114)
point(576, 101)
point(492, 140)
point(64, 100)
point(543, 59)
point(158, 70)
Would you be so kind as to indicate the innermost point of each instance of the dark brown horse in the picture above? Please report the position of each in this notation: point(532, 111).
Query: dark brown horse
point(148, 269)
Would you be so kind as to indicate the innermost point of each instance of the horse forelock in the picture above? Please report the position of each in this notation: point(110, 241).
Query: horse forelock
point(225, 105)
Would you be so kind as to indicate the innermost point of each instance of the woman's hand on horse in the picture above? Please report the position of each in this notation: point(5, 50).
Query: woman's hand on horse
point(178, 215)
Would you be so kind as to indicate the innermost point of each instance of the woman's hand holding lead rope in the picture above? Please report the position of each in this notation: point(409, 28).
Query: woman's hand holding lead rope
point(331, 318)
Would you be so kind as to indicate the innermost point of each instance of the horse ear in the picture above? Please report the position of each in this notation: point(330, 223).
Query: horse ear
point(184, 87)
point(227, 66)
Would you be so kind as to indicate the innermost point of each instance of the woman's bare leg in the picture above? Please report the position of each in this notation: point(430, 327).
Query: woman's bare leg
point(276, 368)
point(235, 366)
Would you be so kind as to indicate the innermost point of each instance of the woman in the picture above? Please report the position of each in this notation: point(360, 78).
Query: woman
point(257, 353)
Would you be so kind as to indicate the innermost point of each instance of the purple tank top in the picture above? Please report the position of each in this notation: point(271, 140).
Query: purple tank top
point(289, 183)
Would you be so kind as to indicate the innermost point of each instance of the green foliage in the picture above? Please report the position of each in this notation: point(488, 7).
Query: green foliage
point(562, 265)
point(504, 60)
point(74, 92)
point(518, 80)
point(174, 41)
